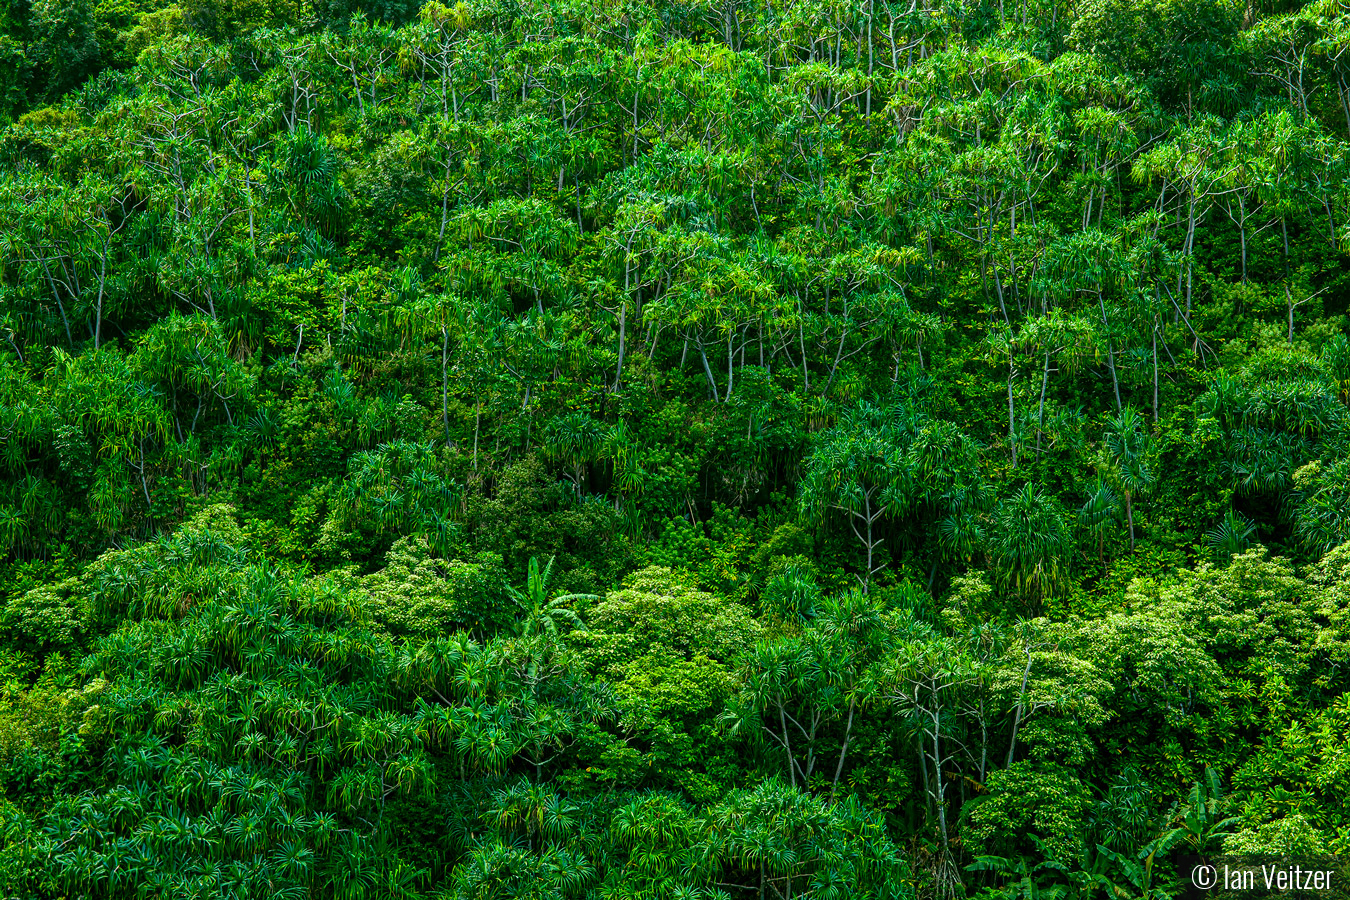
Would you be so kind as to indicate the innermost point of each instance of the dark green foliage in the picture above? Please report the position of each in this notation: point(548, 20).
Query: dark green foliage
point(569, 450)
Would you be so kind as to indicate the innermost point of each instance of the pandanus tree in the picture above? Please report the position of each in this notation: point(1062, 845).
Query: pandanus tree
point(1192, 168)
point(530, 841)
point(659, 837)
point(515, 247)
point(420, 314)
point(27, 424)
point(888, 463)
point(307, 180)
point(187, 358)
point(29, 510)
point(630, 236)
point(36, 247)
point(279, 754)
point(67, 239)
point(1127, 459)
point(797, 689)
point(718, 299)
point(859, 469)
point(1085, 268)
point(1278, 413)
point(401, 487)
point(924, 679)
point(1030, 545)
point(576, 441)
point(775, 838)
point(1336, 357)
point(1322, 513)
point(124, 417)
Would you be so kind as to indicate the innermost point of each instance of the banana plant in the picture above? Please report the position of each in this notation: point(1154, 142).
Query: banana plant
point(543, 612)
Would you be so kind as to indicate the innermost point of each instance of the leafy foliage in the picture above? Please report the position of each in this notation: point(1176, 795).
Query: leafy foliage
point(703, 450)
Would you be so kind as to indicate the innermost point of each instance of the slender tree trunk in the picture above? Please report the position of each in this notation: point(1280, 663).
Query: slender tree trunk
point(1129, 518)
point(1190, 254)
point(984, 743)
point(1155, 371)
point(923, 770)
point(623, 344)
point(707, 371)
point(1012, 411)
point(477, 417)
point(871, 15)
point(1017, 711)
point(843, 750)
point(70, 341)
point(867, 501)
point(1292, 306)
point(801, 344)
point(1040, 408)
point(1343, 91)
point(445, 211)
point(1242, 234)
point(731, 361)
point(248, 191)
point(1110, 352)
point(445, 383)
point(144, 486)
point(937, 775)
point(635, 119)
point(102, 282)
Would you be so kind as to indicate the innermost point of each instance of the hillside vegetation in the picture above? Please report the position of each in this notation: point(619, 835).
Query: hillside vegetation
point(718, 449)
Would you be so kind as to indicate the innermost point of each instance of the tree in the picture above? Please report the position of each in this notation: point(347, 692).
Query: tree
point(1322, 517)
point(886, 463)
point(774, 837)
point(796, 688)
point(420, 315)
point(1029, 543)
point(860, 469)
point(540, 612)
point(1127, 451)
point(925, 678)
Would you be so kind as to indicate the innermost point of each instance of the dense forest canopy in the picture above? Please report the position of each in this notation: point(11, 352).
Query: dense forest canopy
point(663, 449)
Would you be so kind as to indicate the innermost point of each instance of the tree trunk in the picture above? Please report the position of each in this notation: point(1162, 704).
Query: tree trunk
point(1012, 413)
point(1040, 409)
point(1017, 711)
point(731, 361)
point(871, 543)
point(61, 306)
point(1155, 372)
point(801, 345)
point(445, 383)
point(1129, 518)
point(937, 774)
point(623, 343)
point(707, 370)
point(1110, 352)
point(848, 734)
point(1242, 234)
point(102, 282)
